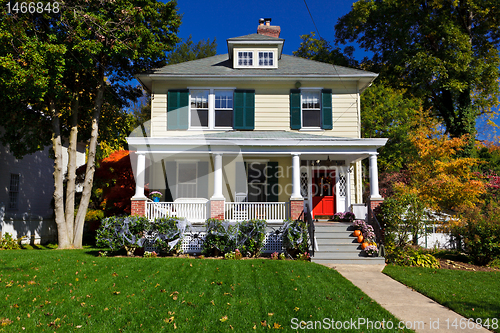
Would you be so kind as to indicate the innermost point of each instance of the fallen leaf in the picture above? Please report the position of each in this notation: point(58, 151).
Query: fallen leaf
point(276, 326)
point(169, 320)
point(270, 314)
point(223, 319)
point(263, 323)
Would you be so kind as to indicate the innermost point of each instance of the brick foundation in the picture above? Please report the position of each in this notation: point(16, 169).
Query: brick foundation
point(217, 209)
point(296, 209)
point(374, 203)
point(138, 207)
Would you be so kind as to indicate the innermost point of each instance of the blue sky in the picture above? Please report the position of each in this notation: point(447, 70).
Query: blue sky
point(223, 19)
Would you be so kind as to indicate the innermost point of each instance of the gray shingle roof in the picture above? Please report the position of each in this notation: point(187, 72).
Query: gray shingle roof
point(220, 65)
point(255, 37)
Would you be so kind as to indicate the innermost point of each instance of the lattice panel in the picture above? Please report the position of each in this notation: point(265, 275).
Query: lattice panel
point(303, 184)
point(272, 243)
point(192, 244)
point(342, 185)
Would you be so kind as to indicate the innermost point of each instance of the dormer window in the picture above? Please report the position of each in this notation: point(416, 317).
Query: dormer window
point(245, 58)
point(256, 58)
point(266, 59)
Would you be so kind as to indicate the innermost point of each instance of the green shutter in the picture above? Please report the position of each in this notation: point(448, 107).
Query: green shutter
point(244, 110)
point(177, 109)
point(326, 109)
point(272, 182)
point(295, 114)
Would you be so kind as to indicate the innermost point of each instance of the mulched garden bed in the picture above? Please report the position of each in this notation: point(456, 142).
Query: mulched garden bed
point(457, 265)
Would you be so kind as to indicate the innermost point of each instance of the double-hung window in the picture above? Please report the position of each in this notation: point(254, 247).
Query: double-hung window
point(311, 108)
point(266, 59)
point(211, 108)
point(245, 58)
point(256, 59)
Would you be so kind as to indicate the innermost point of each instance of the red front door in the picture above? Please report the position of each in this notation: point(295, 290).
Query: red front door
point(323, 192)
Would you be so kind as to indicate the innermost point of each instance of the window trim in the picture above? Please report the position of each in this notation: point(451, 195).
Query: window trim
point(211, 108)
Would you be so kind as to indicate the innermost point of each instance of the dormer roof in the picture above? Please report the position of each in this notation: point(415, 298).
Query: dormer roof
point(255, 40)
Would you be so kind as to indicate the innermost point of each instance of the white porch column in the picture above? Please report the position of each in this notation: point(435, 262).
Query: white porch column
point(348, 188)
point(296, 177)
point(217, 177)
point(139, 177)
point(374, 194)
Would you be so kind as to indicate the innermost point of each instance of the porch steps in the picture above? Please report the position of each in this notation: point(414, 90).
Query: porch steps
point(335, 245)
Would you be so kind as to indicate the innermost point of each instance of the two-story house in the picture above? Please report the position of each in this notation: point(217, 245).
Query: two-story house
point(254, 133)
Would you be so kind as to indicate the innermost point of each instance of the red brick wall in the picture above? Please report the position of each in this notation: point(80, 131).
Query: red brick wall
point(296, 209)
point(269, 30)
point(374, 203)
point(217, 209)
point(138, 207)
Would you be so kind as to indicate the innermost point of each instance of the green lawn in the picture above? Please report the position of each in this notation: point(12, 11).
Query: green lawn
point(471, 294)
point(73, 290)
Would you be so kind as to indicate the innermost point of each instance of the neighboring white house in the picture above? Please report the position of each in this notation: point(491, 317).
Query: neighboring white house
point(26, 192)
point(254, 133)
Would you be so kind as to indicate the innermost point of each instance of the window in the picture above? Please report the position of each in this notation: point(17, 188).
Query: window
point(199, 108)
point(211, 108)
point(14, 191)
point(186, 180)
point(245, 58)
point(223, 108)
point(311, 109)
point(266, 59)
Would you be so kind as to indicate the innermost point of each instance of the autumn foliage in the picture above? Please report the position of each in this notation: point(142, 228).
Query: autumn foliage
point(440, 175)
point(114, 184)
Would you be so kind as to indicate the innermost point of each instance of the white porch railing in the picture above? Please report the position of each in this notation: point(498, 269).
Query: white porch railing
point(192, 211)
point(269, 211)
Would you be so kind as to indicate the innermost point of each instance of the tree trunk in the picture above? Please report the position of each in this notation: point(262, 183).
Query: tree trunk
point(71, 173)
point(62, 228)
point(89, 173)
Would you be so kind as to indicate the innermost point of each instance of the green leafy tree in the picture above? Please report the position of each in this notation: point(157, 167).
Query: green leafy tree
point(321, 50)
point(444, 52)
point(387, 113)
point(65, 68)
point(188, 50)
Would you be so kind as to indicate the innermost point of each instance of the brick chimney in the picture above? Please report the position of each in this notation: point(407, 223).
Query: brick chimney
point(265, 28)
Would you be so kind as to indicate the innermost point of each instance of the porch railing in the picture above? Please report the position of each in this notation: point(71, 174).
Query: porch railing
point(193, 211)
point(269, 211)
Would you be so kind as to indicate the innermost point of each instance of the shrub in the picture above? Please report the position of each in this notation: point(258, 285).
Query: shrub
point(220, 238)
point(480, 232)
point(295, 237)
point(9, 243)
point(169, 234)
point(251, 235)
point(411, 256)
point(123, 232)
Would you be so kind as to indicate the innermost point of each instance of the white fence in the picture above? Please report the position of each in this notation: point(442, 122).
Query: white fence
point(269, 211)
point(436, 238)
point(192, 211)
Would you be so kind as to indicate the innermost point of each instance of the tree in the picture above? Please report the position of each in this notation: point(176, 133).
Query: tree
point(387, 113)
point(321, 50)
point(65, 68)
point(444, 52)
point(187, 51)
point(439, 176)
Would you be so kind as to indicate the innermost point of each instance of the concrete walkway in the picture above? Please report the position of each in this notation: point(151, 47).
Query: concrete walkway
point(420, 313)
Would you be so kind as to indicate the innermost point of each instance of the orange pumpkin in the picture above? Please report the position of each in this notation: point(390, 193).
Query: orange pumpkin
point(364, 245)
point(356, 233)
point(360, 239)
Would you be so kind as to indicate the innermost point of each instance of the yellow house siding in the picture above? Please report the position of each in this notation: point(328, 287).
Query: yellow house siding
point(272, 106)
